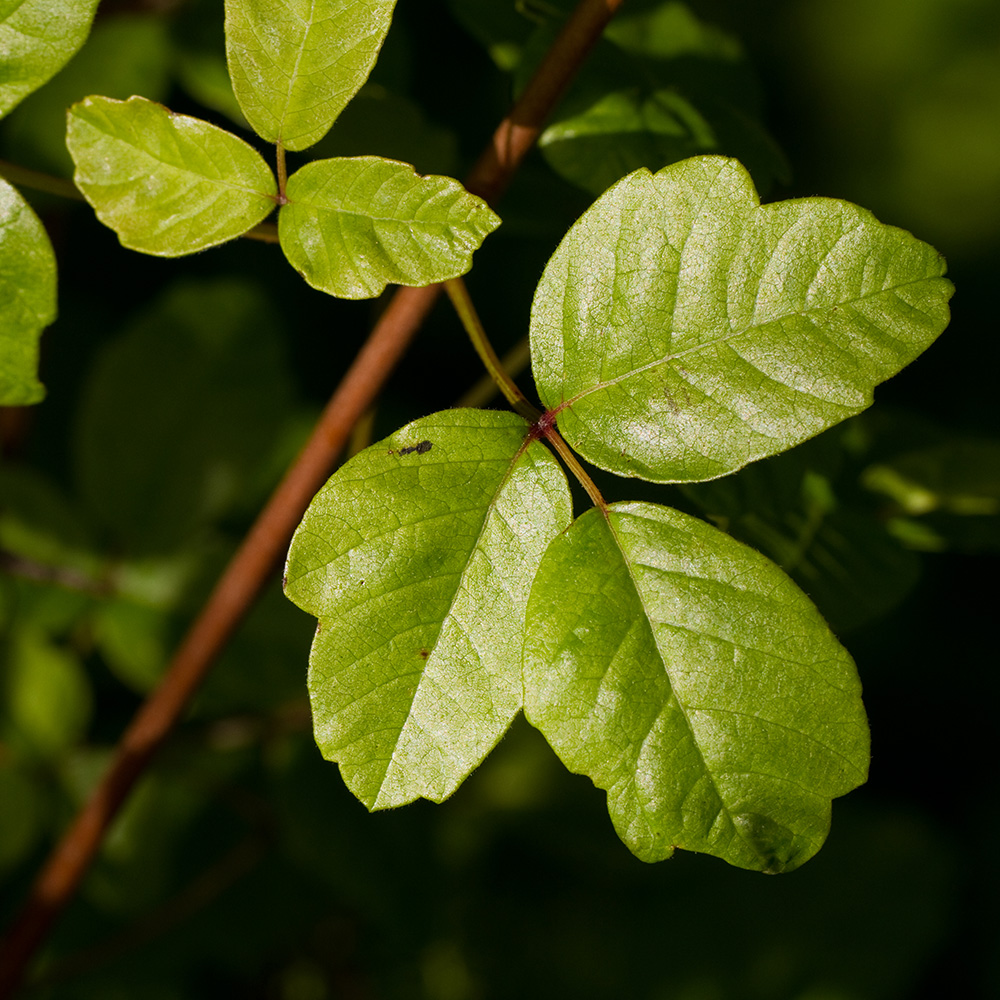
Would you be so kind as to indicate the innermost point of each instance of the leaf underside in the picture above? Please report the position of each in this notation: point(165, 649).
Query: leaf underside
point(27, 297)
point(354, 225)
point(417, 557)
point(38, 38)
point(683, 330)
point(687, 676)
point(296, 63)
point(167, 184)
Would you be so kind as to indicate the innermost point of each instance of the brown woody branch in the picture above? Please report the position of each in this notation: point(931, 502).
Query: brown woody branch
point(253, 562)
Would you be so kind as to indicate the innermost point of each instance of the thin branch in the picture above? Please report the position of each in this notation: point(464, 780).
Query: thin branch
point(547, 430)
point(250, 567)
point(267, 232)
point(513, 363)
point(462, 302)
point(23, 177)
point(61, 576)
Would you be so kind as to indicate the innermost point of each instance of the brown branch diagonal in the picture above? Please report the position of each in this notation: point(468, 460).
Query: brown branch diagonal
point(255, 559)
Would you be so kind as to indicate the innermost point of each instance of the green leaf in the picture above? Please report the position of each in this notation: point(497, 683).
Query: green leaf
point(417, 557)
point(803, 509)
point(27, 297)
point(47, 694)
point(296, 63)
point(38, 38)
point(683, 330)
point(661, 85)
point(125, 54)
point(166, 184)
point(354, 225)
point(692, 680)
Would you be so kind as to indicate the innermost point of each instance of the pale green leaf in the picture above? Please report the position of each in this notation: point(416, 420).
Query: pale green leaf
point(683, 330)
point(27, 297)
point(296, 63)
point(38, 38)
point(417, 557)
point(167, 184)
point(354, 225)
point(125, 54)
point(687, 676)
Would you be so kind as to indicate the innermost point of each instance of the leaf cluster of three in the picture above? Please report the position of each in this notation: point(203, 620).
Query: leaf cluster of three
point(680, 331)
point(170, 185)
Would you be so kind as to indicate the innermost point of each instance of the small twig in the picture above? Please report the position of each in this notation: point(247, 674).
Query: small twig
point(23, 177)
point(547, 430)
point(61, 576)
point(282, 173)
point(248, 570)
point(266, 232)
point(462, 302)
point(513, 363)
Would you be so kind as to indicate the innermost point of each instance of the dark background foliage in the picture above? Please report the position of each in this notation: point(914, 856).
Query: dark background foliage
point(179, 389)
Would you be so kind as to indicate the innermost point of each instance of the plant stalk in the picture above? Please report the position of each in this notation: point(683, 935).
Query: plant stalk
point(250, 567)
point(460, 299)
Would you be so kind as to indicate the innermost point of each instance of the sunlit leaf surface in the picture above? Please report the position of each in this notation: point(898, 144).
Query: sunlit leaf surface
point(296, 63)
point(687, 676)
point(38, 38)
point(417, 557)
point(683, 330)
point(27, 297)
point(167, 184)
point(354, 225)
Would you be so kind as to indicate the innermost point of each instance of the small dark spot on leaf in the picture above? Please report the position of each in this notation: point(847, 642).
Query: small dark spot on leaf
point(421, 449)
point(424, 653)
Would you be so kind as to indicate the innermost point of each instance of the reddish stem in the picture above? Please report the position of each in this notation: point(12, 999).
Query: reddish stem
point(250, 567)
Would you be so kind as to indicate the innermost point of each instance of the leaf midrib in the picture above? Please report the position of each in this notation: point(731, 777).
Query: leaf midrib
point(736, 335)
point(525, 444)
point(682, 708)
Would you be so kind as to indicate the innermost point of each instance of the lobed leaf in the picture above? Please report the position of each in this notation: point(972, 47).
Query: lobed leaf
point(27, 297)
point(683, 330)
point(38, 38)
point(167, 184)
point(687, 676)
point(354, 225)
point(417, 557)
point(296, 63)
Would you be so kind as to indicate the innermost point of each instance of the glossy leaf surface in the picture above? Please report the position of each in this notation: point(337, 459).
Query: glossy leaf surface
point(354, 225)
point(296, 63)
point(687, 676)
point(684, 330)
point(167, 184)
point(417, 557)
point(38, 38)
point(27, 297)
